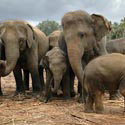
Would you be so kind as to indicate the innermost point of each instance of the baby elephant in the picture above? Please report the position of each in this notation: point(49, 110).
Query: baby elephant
point(55, 64)
point(103, 73)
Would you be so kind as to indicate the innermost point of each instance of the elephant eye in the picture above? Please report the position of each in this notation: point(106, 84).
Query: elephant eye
point(81, 34)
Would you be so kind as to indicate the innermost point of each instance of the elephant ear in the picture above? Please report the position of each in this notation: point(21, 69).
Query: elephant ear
point(45, 62)
point(101, 26)
point(30, 35)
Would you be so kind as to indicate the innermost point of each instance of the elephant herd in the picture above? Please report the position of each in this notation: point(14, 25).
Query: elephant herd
point(79, 50)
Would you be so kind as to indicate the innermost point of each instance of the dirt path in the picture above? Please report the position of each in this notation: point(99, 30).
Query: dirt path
point(56, 112)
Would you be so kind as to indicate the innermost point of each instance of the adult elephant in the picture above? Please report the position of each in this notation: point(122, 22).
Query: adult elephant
point(24, 47)
point(82, 32)
point(116, 46)
point(53, 38)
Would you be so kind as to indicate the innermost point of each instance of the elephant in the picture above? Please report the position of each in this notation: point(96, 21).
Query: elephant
point(25, 45)
point(99, 76)
point(100, 49)
point(53, 38)
point(55, 64)
point(116, 46)
point(81, 32)
point(25, 72)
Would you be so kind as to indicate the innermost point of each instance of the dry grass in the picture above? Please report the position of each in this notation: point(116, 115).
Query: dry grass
point(56, 112)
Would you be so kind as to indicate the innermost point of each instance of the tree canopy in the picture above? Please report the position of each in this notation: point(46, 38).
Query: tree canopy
point(118, 29)
point(48, 26)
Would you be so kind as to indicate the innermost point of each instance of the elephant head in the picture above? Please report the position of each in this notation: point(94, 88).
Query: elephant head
point(100, 48)
point(82, 32)
point(53, 38)
point(16, 36)
point(55, 62)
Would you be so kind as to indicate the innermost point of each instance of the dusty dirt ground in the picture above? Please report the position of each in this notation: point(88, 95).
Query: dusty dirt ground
point(56, 112)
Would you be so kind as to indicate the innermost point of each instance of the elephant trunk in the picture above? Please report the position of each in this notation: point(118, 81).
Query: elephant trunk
point(75, 58)
point(100, 49)
point(56, 85)
point(12, 55)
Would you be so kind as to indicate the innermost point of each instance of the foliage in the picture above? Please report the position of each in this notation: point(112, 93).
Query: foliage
point(48, 26)
point(118, 30)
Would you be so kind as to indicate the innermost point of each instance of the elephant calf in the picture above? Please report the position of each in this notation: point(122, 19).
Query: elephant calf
point(103, 73)
point(55, 64)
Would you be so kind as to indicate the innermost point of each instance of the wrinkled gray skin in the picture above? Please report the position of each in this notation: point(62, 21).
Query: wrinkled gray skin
point(55, 64)
point(116, 46)
point(100, 47)
point(98, 50)
point(24, 47)
point(81, 32)
point(106, 72)
point(53, 39)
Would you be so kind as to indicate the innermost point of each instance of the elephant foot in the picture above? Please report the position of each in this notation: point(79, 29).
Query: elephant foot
point(73, 94)
point(45, 99)
point(38, 95)
point(19, 96)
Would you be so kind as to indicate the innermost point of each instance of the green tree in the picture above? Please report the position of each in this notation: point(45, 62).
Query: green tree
point(48, 26)
point(122, 27)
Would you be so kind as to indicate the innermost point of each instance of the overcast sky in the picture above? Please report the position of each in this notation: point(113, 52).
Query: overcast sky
point(39, 10)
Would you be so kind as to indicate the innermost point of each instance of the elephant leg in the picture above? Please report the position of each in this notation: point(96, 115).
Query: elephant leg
point(113, 95)
point(32, 63)
point(41, 77)
point(20, 88)
point(79, 88)
point(49, 81)
point(72, 77)
point(36, 81)
point(66, 86)
point(26, 79)
point(122, 90)
point(1, 93)
point(89, 104)
point(83, 94)
point(99, 102)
